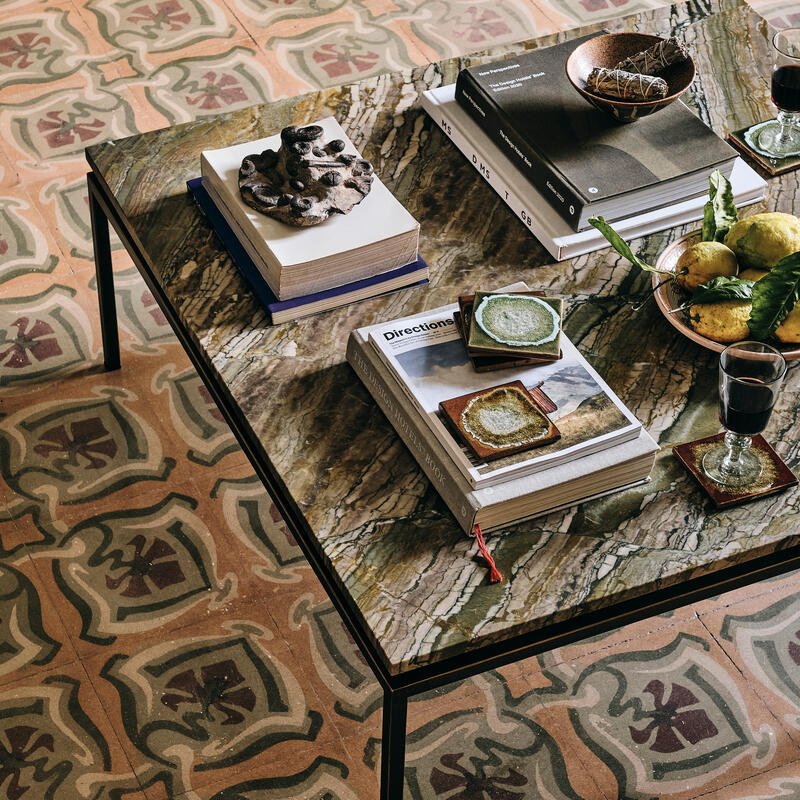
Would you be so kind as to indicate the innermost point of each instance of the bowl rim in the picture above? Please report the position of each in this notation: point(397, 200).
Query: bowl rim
point(627, 103)
point(790, 352)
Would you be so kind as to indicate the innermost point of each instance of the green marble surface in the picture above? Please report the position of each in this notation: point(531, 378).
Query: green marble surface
point(387, 536)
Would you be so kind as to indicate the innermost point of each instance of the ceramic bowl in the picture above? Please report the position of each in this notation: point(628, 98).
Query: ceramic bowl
point(668, 297)
point(609, 49)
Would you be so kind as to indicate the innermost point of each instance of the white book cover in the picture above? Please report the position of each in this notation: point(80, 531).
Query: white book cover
point(378, 217)
point(513, 500)
point(428, 359)
point(536, 213)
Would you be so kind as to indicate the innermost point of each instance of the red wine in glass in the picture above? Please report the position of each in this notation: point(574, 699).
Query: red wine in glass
point(786, 87)
point(747, 407)
point(780, 138)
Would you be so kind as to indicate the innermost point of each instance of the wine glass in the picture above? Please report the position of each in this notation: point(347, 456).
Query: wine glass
point(780, 137)
point(750, 375)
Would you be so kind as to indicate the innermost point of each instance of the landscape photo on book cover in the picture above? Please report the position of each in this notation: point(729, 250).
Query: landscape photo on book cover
point(584, 411)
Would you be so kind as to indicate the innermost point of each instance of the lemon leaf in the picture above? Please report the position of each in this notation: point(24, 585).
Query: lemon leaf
point(774, 296)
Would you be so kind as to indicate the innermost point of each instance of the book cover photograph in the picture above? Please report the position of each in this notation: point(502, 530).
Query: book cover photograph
point(430, 362)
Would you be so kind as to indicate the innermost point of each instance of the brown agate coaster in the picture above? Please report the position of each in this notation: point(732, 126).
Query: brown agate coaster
point(775, 476)
point(306, 180)
point(499, 421)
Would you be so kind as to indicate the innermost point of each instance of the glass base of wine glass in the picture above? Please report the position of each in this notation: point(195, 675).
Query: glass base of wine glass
point(765, 138)
point(734, 468)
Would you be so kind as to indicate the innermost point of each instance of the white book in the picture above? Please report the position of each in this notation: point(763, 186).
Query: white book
point(536, 213)
point(378, 234)
point(427, 357)
point(594, 475)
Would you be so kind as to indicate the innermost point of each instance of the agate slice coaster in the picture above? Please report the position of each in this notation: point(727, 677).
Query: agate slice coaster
point(499, 421)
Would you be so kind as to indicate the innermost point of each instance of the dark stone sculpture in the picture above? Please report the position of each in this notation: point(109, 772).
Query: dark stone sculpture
point(307, 180)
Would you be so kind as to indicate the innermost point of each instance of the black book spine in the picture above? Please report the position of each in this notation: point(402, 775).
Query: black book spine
point(488, 115)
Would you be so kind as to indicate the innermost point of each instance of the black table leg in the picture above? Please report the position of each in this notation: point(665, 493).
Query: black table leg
point(393, 744)
point(105, 280)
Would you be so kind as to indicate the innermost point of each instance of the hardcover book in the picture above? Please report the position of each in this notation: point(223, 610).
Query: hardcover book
point(414, 274)
point(378, 235)
point(592, 475)
point(582, 161)
point(429, 362)
point(529, 205)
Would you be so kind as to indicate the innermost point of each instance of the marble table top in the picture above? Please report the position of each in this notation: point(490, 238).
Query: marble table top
point(386, 535)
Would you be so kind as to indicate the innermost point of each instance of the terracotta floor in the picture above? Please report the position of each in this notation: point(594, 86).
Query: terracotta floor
point(160, 634)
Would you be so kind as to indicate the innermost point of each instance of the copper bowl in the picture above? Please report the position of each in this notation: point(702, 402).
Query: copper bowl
point(609, 49)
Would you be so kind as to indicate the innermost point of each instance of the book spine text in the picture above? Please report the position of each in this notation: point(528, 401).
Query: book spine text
point(487, 114)
point(414, 439)
point(507, 194)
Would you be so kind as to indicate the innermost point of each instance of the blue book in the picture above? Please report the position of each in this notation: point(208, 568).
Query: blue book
point(413, 274)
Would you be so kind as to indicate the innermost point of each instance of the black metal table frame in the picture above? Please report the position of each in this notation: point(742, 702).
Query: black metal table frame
point(397, 688)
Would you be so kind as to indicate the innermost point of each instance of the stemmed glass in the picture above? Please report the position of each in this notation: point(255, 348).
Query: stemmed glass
point(750, 375)
point(780, 137)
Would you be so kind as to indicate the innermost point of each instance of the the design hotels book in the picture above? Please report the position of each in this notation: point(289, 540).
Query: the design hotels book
point(589, 464)
point(429, 362)
point(581, 160)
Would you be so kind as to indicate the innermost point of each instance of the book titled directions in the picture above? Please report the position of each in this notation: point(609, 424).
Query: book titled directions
point(429, 361)
point(528, 204)
point(378, 235)
point(581, 160)
point(584, 475)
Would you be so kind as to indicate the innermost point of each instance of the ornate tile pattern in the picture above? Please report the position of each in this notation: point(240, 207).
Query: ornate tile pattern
point(160, 632)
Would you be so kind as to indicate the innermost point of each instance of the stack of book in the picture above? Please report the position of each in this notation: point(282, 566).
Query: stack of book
point(415, 366)
point(556, 160)
point(300, 271)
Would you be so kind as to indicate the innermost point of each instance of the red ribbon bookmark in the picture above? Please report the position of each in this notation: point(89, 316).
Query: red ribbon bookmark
point(494, 574)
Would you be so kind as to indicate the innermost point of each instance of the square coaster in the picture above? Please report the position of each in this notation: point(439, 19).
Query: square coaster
point(499, 421)
point(775, 477)
point(772, 166)
point(502, 361)
point(519, 323)
point(483, 363)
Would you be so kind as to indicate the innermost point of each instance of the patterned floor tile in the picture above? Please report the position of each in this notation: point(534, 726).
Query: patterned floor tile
point(783, 782)
point(311, 772)
point(147, 27)
point(59, 453)
point(44, 336)
point(583, 12)
point(63, 202)
point(343, 51)
point(760, 635)
point(779, 13)
point(32, 636)
point(493, 744)
point(56, 741)
point(788, 583)
point(50, 133)
point(27, 249)
point(206, 703)
point(671, 718)
point(446, 28)
point(44, 50)
point(210, 78)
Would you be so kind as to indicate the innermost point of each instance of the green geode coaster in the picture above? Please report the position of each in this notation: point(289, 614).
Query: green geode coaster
point(499, 421)
point(515, 324)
